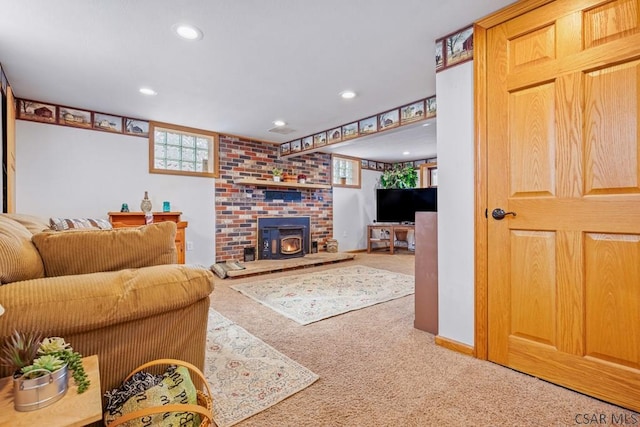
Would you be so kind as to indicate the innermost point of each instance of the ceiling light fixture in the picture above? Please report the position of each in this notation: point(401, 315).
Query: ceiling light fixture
point(188, 32)
point(406, 153)
point(279, 123)
point(426, 124)
point(148, 91)
point(348, 94)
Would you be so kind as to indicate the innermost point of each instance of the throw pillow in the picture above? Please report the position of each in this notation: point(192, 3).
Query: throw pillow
point(19, 258)
point(176, 386)
point(90, 251)
point(60, 224)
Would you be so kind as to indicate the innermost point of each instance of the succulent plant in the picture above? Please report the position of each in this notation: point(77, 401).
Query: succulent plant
point(52, 345)
point(47, 362)
point(20, 349)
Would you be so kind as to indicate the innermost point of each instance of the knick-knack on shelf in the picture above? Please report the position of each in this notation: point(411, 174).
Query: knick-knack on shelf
point(145, 205)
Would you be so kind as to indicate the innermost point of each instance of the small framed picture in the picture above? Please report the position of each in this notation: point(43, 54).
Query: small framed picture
point(380, 166)
point(408, 164)
point(431, 107)
point(296, 146)
point(439, 54)
point(419, 162)
point(459, 47)
point(412, 112)
point(335, 135)
point(307, 143)
point(364, 164)
point(373, 165)
point(73, 117)
point(350, 131)
point(3, 81)
point(389, 120)
point(37, 111)
point(320, 139)
point(136, 127)
point(369, 125)
point(107, 122)
point(388, 166)
point(285, 148)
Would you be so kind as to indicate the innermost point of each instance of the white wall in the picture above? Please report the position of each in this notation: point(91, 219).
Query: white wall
point(353, 210)
point(78, 173)
point(454, 88)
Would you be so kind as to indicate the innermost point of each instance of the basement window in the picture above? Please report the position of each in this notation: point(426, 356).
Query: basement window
point(179, 150)
point(345, 171)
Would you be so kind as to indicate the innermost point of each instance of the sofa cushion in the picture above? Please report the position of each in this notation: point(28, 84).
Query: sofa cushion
point(19, 258)
point(61, 224)
point(34, 224)
point(88, 251)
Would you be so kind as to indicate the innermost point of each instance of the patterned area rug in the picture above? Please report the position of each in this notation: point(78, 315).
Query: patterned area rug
point(307, 298)
point(245, 374)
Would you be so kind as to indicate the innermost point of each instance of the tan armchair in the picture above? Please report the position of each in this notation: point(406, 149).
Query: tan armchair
point(115, 293)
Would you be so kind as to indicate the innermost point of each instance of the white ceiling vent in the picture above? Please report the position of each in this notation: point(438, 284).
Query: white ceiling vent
point(282, 130)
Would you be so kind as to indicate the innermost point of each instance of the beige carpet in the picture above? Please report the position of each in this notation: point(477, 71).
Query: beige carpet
point(246, 375)
point(375, 368)
point(310, 297)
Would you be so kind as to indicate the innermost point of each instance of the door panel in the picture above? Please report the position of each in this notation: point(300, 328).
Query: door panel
point(563, 152)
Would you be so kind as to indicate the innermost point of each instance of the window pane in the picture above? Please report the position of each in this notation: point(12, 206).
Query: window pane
point(160, 151)
point(183, 149)
point(188, 154)
point(161, 137)
point(173, 152)
point(173, 165)
point(173, 138)
point(188, 166)
point(188, 141)
point(202, 143)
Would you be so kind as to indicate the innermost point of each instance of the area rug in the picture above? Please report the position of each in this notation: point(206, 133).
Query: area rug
point(308, 298)
point(245, 374)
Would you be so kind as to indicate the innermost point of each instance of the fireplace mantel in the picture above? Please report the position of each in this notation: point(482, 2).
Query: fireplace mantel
point(271, 183)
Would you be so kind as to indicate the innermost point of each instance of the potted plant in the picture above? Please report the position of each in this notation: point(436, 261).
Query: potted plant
point(302, 178)
point(399, 177)
point(41, 369)
point(277, 174)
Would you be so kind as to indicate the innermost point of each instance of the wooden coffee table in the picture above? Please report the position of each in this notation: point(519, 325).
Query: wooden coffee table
point(72, 410)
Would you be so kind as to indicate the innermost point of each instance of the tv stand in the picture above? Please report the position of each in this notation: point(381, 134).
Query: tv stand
point(390, 236)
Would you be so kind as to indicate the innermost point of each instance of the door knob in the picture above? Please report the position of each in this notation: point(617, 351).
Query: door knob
point(499, 213)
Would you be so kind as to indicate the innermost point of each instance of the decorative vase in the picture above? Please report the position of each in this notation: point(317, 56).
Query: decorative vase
point(36, 393)
point(145, 205)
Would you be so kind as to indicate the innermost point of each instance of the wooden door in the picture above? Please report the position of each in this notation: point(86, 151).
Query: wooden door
point(563, 153)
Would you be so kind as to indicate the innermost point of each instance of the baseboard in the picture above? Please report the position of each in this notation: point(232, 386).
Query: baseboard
point(456, 346)
point(355, 251)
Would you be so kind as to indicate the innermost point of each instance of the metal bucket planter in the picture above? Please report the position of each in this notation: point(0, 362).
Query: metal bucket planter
point(36, 393)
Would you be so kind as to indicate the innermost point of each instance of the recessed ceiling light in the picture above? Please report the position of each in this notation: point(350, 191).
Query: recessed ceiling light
point(188, 32)
point(406, 153)
point(279, 123)
point(426, 124)
point(148, 91)
point(348, 94)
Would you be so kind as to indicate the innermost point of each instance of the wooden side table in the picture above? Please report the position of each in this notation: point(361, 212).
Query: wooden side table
point(73, 410)
point(136, 219)
point(391, 230)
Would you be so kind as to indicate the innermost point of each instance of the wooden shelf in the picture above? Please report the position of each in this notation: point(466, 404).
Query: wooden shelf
point(271, 183)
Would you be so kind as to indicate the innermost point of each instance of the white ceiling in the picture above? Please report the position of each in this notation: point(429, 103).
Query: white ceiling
point(258, 61)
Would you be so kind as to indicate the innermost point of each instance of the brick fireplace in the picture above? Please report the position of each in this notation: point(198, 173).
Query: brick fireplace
point(283, 237)
point(238, 207)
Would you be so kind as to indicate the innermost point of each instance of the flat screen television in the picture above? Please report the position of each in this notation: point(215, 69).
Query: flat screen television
point(401, 205)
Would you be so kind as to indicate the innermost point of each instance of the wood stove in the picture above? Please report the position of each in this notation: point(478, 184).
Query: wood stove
point(283, 237)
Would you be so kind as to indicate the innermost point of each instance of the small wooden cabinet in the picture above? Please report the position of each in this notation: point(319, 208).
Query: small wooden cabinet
point(136, 219)
point(392, 236)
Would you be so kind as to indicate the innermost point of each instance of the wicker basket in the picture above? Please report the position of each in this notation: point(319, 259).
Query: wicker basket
point(204, 406)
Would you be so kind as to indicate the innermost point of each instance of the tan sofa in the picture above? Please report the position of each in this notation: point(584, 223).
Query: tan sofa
point(115, 293)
